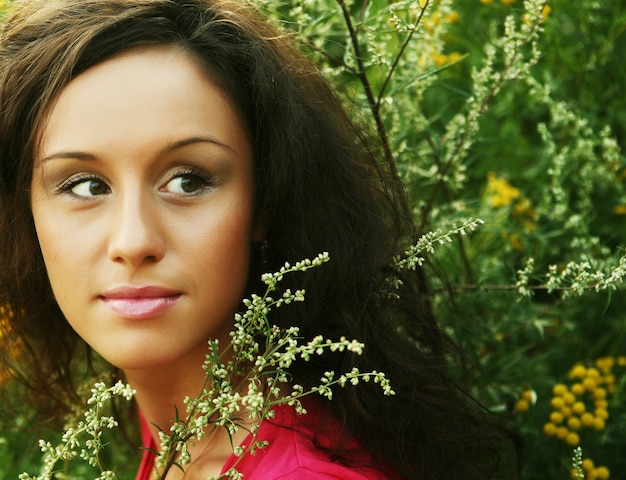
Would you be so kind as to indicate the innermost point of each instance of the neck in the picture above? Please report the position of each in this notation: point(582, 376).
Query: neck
point(160, 397)
point(161, 391)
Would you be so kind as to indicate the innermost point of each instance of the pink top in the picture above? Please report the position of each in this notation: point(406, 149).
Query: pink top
point(290, 455)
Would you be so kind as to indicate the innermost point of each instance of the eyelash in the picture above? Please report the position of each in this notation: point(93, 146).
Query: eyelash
point(204, 178)
point(67, 185)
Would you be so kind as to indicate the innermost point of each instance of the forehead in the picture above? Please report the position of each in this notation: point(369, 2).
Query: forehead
point(137, 92)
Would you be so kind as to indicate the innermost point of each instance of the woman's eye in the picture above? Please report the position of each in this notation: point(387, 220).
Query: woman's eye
point(85, 187)
point(188, 183)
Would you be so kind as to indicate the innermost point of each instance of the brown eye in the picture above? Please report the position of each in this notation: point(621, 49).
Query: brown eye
point(188, 183)
point(97, 187)
point(85, 186)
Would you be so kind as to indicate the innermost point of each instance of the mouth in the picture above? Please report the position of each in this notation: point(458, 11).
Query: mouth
point(140, 302)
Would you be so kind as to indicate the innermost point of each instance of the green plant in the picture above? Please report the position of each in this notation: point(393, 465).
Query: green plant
point(503, 110)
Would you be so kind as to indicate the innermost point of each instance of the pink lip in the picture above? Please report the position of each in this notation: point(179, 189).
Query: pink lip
point(140, 302)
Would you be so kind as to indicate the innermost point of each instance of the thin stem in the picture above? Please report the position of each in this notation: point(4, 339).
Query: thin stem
point(469, 275)
point(374, 106)
point(396, 61)
point(367, 86)
point(461, 141)
point(332, 58)
point(527, 287)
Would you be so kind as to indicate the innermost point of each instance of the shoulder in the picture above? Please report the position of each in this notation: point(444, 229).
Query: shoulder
point(292, 454)
point(311, 473)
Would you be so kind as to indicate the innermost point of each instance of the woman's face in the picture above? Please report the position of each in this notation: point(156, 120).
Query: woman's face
point(142, 197)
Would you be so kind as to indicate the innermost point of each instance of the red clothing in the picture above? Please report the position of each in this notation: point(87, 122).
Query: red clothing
point(290, 455)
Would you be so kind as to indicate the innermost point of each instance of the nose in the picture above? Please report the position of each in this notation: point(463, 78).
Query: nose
point(135, 233)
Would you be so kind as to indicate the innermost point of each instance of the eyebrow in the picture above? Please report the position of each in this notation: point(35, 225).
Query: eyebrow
point(168, 148)
point(192, 140)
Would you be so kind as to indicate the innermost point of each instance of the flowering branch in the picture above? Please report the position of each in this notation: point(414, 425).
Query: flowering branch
point(247, 379)
point(244, 382)
point(92, 425)
point(487, 83)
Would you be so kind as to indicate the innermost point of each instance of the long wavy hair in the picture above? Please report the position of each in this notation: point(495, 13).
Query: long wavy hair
point(320, 186)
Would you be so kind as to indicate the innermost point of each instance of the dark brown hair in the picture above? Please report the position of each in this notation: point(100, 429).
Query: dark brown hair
point(319, 186)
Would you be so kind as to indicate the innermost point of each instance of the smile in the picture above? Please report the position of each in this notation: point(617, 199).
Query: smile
point(139, 303)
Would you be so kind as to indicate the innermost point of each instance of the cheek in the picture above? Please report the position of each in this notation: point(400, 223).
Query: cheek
point(48, 232)
point(221, 252)
point(64, 251)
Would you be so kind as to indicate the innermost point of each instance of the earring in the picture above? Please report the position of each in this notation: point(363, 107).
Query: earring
point(262, 249)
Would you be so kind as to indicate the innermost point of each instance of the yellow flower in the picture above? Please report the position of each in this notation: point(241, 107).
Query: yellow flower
point(452, 17)
point(620, 210)
point(515, 241)
point(599, 393)
point(550, 429)
point(502, 192)
point(602, 473)
point(569, 398)
point(593, 373)
point(562, 433)
point(545, 12)
point(573, 423)
point(578, 371)
point(602, 414)
point(587, 465)
point(606, 363)
point(528, 398)
point(556, 417)
point(590, 384)
point(440, 59)
point(601, 403)
point(486, 2)
point(598, 424)
point(578, 408)
point(572, 439)
point(523, 208)
point(557, 402)
point(431, 22)
point(587, 419)
point(522, 405)
point(454, 56)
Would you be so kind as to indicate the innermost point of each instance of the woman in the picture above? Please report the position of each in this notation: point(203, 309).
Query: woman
point(156, 157)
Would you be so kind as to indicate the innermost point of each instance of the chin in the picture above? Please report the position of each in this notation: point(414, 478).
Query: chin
point(155, 358)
